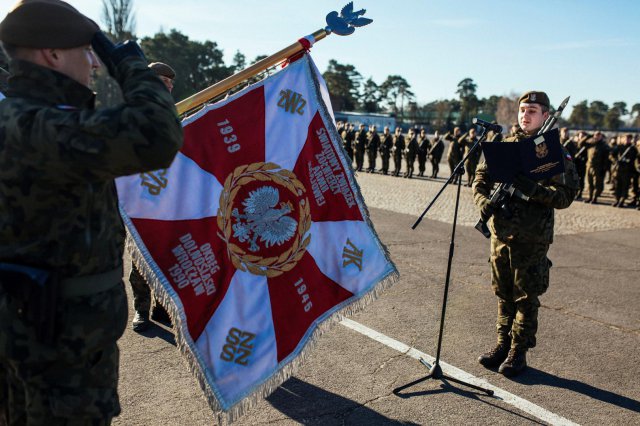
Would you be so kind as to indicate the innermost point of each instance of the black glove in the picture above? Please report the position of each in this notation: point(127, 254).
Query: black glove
point(525, 185)
point(111, 54)
point(486, 209)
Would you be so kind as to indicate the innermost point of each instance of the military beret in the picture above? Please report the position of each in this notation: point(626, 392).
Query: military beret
point(163, 69)
point(44, 24)
point(535, 97)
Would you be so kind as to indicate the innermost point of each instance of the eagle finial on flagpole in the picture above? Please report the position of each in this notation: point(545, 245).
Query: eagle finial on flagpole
point(345, 23)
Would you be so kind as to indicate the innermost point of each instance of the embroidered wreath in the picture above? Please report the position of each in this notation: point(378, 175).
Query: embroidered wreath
point(263, 172)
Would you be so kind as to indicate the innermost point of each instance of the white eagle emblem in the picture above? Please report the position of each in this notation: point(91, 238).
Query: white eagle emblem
point(262, 220)
point(542, 150)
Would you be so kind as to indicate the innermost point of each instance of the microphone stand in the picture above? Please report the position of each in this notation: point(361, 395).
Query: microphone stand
point(435, 371)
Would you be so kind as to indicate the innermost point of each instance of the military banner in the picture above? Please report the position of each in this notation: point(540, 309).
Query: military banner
point(257, 236)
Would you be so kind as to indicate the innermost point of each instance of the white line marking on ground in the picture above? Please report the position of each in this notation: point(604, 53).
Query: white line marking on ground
point(450, 370)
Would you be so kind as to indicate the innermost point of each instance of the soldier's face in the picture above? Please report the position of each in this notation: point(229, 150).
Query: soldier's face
point(169, 83)
point(531, 117)
point(78, 63)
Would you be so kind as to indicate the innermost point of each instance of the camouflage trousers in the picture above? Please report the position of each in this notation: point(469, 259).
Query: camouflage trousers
point(452, 166)
point(141, 291)
point(519, 275)
point(385, 163)
point(622, 179)
point(397, 163)
point(75, 380)
point(470, 167)
point(595, 178)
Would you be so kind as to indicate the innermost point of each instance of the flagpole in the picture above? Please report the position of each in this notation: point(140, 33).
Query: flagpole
point(228, 83)
point(341, 24)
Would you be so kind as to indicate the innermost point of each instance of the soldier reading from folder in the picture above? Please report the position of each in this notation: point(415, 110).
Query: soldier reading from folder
point(519, 243)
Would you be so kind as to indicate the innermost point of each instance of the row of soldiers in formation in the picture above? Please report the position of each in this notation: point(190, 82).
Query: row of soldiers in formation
point(595, 158)
point(412, 146)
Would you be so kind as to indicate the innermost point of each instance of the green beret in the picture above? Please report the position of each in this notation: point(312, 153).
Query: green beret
point(42, 24)
point(535, 97)
point(163, 70)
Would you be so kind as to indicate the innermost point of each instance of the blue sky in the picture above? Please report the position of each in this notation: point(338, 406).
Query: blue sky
point(587, 49)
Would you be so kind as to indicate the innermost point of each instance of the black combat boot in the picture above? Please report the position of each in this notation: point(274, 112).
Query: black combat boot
point(495, 356)
point(160, 314)
point(140, 322)
point(515, 363)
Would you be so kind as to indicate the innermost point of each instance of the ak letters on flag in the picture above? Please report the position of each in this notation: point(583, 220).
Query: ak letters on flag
point(256, 235)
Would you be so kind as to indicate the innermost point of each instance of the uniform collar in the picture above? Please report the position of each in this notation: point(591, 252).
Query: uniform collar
point(29, 80)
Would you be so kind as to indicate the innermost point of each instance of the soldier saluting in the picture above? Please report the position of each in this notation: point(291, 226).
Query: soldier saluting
point(520, 242)
point(62, 299)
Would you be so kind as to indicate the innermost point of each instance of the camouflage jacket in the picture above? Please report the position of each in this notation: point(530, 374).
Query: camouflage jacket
point(532, 221)
point(386, 144)
point(454, 153)
point(59, 157)
point(597, 154)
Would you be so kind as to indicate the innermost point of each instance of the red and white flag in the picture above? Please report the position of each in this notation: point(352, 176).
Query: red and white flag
point(256, 235)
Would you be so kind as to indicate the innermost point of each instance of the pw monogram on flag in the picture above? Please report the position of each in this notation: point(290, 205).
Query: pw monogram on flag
point(256, 238)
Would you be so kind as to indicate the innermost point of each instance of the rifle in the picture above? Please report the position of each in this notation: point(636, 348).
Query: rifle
point(622, 158)
point(505, 191)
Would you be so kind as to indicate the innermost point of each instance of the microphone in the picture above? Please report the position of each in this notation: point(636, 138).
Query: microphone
point(488, 126)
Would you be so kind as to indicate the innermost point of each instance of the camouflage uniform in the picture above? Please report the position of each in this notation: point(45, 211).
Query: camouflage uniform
point(454, 154)
point(597, 153)
point(398, 149)
point(410, 154)
point(470, 165)
point(519, 246)
point(373, 143)
point(361, 144)
point(437, 149)
point(623, 174)
point(386, 146)
point(58, 159)
point(348, 136)
point(423, 150)
point(580, 159)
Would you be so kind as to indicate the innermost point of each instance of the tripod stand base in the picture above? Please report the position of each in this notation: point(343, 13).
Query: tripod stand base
point(435, 372)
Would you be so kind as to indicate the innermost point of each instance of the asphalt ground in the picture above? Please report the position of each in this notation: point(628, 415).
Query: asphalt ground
point(584, 370)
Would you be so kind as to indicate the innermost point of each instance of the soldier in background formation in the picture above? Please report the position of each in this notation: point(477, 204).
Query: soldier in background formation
point(398, 150)
point(361, 139)
point(580, 160)
point(466, 142)
point(139, 286)
point(410, 152)
point(423, 151)
point(437, 149)
point(386, 145)
point(348, 136)
point(625, 166)
point(454, 155)
point(597, 153)
point(373, 143)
